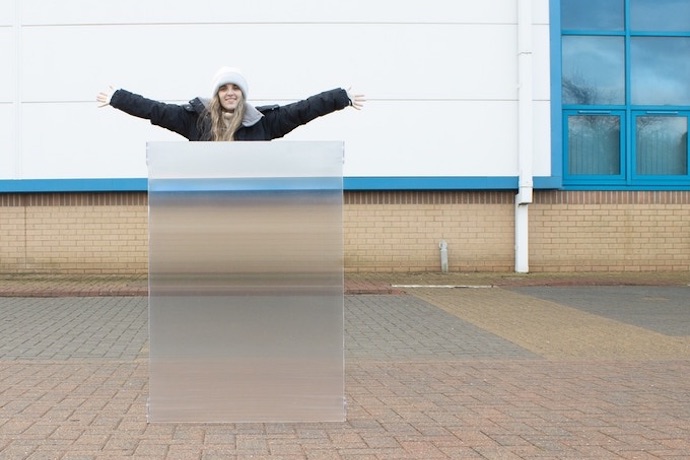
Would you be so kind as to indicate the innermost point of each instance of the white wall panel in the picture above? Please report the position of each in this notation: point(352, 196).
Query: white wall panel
point(8, 157)
point(81, 141)
point(388, 62)
point(393, 61)
point(8, 67)
point(40, 12)
point(423, 138)
point(541, 63)
point(540, 12)
point(7, 12)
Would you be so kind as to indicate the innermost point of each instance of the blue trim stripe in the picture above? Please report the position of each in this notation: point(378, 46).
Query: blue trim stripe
point(349, 183)
point(430, 183)
point(72, 185)
point(243, 184)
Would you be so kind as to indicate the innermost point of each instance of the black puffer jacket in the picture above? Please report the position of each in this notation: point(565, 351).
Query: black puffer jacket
point(260, 124)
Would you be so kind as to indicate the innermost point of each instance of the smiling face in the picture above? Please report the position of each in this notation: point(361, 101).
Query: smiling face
point(229, 95)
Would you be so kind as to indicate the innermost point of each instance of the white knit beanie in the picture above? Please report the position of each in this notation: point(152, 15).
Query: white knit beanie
point(226, 75)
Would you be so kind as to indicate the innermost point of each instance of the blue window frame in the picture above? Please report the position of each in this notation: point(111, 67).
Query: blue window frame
point(625, 93)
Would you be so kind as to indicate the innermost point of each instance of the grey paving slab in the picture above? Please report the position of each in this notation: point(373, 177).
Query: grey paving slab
point(405, 328)
point(662, 309)
point(65, 328)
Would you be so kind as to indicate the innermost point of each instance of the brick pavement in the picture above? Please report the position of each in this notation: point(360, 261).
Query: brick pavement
point(499, 373)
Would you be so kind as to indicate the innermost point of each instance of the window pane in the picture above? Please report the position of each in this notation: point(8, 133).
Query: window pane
point(660, 15)
point(593, 70)
point(592, 14)
point(660, 70)
point(594, 145)
point(662, 145)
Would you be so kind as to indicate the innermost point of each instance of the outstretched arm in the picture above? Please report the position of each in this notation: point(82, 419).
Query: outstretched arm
point(284, 119)
point(170, 116)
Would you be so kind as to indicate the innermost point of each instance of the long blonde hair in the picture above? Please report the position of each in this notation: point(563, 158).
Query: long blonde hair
point(224, 124)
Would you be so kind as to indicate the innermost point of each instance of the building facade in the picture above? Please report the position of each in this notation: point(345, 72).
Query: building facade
point(529, 135)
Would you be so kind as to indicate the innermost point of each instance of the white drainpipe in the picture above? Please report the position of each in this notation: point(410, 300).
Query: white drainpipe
point(525, 135)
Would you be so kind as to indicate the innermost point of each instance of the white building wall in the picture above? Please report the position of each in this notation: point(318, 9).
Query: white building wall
point(8, 70)
point(440, 76)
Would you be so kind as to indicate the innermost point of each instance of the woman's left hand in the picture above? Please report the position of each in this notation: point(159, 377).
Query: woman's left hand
point(356, 100)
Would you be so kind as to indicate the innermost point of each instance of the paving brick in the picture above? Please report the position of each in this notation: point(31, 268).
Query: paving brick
point(432, 373)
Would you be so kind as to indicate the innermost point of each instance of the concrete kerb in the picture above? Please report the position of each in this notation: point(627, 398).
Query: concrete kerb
point(60, 285)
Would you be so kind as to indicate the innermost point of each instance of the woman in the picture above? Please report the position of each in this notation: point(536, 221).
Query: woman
point(227, 116)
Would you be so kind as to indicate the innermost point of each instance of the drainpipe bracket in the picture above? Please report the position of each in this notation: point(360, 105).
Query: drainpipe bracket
point(524, 195)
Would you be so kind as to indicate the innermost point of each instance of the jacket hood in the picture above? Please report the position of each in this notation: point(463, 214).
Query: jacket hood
point(251, 114)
